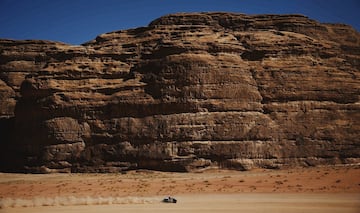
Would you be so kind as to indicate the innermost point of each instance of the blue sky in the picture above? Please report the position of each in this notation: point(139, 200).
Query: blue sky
point(78, 21)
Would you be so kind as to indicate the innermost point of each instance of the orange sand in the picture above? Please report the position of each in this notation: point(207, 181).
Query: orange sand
point(149, 186)
point(150, 183)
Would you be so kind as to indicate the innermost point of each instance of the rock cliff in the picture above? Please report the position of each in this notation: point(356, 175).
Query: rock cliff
point(186, 92)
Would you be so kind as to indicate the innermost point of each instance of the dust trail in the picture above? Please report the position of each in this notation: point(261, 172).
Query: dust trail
point(71, 200)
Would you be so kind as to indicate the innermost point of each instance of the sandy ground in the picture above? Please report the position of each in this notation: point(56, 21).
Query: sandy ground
point(318, 189)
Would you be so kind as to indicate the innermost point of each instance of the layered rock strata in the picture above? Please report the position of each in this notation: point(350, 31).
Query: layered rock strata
point(187, 92)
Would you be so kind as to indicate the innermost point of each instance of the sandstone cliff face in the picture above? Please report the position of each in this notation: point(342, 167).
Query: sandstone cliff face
point(187, 92)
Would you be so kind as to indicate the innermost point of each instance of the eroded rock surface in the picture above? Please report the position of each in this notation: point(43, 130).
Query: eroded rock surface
point(187, 92)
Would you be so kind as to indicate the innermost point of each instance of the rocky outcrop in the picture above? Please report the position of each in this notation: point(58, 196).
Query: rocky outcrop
point(187, 92)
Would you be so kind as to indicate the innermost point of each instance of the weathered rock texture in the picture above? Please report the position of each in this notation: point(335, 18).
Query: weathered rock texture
point(188, 91)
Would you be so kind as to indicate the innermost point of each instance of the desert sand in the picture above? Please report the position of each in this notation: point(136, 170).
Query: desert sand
point(316, 189)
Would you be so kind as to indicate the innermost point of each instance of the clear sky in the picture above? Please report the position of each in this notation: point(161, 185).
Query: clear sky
point(78, 21)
